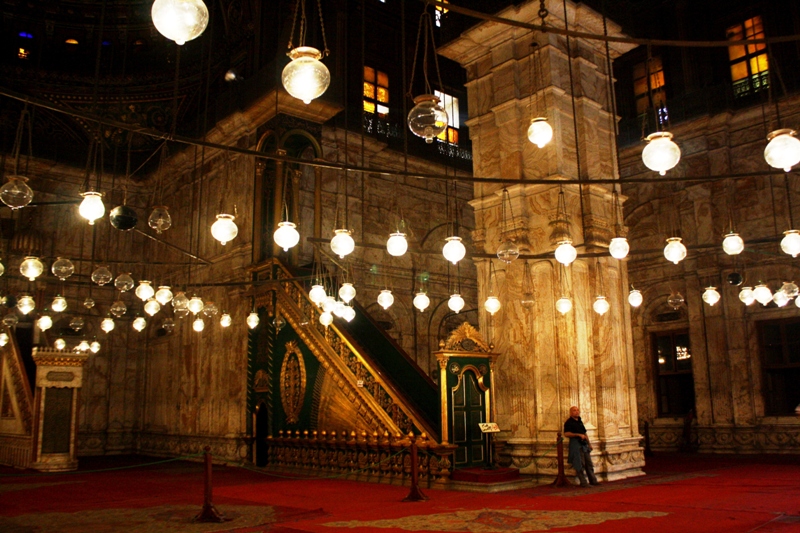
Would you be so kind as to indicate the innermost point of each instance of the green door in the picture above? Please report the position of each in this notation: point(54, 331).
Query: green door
point(468, 411)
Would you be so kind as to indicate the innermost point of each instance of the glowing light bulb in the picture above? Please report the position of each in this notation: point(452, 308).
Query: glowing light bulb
point(180, 20)
point(454, 250)
point(455, 303)
point(92, 207)
point(224, 229)
point(601, 305)
point(619, 248)
point(540, 132)
point(286, 236)
point(397, 245)
point(421, 301)
point(305, 77)
point(385, 298)
point(492, 305)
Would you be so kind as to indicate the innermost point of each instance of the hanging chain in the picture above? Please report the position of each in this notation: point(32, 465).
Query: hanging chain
point(425, 22)
point(294, 23)
point(416, 53)
point(543, 11)
point(325, 50)
point(18, 139)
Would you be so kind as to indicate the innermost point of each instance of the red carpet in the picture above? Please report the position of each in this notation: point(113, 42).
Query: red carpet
point(680, 493)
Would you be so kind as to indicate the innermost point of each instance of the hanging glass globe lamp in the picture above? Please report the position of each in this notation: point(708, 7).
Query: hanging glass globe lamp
point(790, 289)
point(397, 245)
point(326, 319)
point(225, 320)
point(342, 243)
point(88, 303)
point(455, 303)
point(62, 268)
point(619, 248)
point(26, 304)
point(180, 20)
point(711, 296)
point(151, 307)
point(10, 319)
point(94, 346)
point(746, 295)
point(317, 294)
point(492, 305)
point(102, 275)
point(59, 304)
point(44, 322)
point(563, 305)
point(144, 291)
point(661, 153)
point(15, 193)
point(107, 324)
point(77, 323)
point(59, 344)
point(169, 324)
point(92, 207)
point(31, 267)
point(780, 298)
point(427, 119)
point(2, 269)
point(454, 250)
point(540, 132)
point(635, 298)
point(329, 304)
point(566, 253)
point(124, 282)
point(762, 294)
point(349, 313)
point(527, 300)
point(790, 243)
point(139, 323)
point(675, 251)
point(601, 305)
point(347, 292)
point(159, 219)
point(286, 236)
point(305, 77)
point(252, 320)
point(118, 308)
point(4, 338)
point(675, 300)
point(195, 305)
point(164, 294)
point(338, 309)
point(385, 299)
point(210, 309)
point(507, 252)
point(732, 244)
point(783, 149)
point(180, 301)
point(198, 325)
point(224, 229)
point(83, 346)
point(421, 301)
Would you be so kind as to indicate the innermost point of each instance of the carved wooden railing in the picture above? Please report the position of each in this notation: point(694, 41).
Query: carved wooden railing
point(16, 448)
point(402, 420)
point(361, 457)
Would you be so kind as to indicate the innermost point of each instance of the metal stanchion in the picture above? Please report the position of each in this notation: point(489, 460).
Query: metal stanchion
point(561, 479)
point(209, 512)
point(416, 494)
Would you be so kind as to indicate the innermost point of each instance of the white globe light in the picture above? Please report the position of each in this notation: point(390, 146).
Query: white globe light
point(62, 268)
point(747, 296)
point(198, 325)
point(790, 288)
point(59, 304)
point(180, 20)
point(225, 320)
point(338, 309)
point(15, 193)
point(675, 251)
point(224, 229)
point(385, 298)
point(397, 245)
point(540, 132)
point(286, 236)
point(252, 320)
point(144, 291)
point(566, 253)
point(306, 77)
point(2, 269)
point(601, 305)
point(92, 207)
point(94, 347)
point(492, 305)
point(563, 305)
point(711, 296)
point(139, 323)
point(508, 252)
point(31, 268)
point(783, 149)
point(427, 119)
point(732, 244)
point(164, 295)
point(455, 303)
point(83, 346)
point(790, 243)
point(26, 304)
point(661, 154)
point(421, 301)
point(152, 306)
point(44, 322)
point(59, 344)
point(780, 298)
point(454, 250)
point(342, 243)
point(635, 298)
point(619, 248)
point(328, 304)
point(4, 338)
point(797, 302)
point(347, 292)
point(349, 313)
point(326, 319)
point(195, 305)
point(317, 294)
point(107, 324)
point(762, 294)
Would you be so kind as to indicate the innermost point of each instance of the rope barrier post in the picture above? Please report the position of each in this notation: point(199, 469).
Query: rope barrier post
point(416, 494)
point(209, 512)
point(561, 479)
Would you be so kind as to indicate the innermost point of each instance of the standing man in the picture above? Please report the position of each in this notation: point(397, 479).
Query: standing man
point(579, 448)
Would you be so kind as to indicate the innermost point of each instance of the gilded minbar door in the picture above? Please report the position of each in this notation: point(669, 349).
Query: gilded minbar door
point(469, 410)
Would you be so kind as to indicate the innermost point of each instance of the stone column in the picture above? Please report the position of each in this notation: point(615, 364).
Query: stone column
point(551, 361)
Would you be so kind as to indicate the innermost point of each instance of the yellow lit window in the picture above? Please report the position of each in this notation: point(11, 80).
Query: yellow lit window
point(749, 64)
point(439, 13)
point(644, 85)
point(450, 104)
point(376, 92)
point(22, 53)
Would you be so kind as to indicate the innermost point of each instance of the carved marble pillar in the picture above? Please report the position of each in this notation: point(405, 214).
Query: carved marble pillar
point(59, 377)
point(551, 361)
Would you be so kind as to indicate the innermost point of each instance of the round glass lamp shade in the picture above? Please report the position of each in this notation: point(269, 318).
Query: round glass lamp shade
point(59, 304)
point(783, 149)
point(124, 282)
point(225, 320)
point(62, 268)
point(317, 294)
point(210, 309)
point(601, 305)
point(180, 20)
point(619, 247)
point(31, 267)
point(286, 236)
point(454, 250)
point(77, 323)
point(527, 300)
point(329, 304)
point(102, 275)
point(421, 301)
point(790, 289)
point(635, 298)
point(508, 251)
point(107, 324)
point(661, 153)
point(762, 294)
point(780, 298)
point(455, 303)
point(180, 301)
point(385, 299)
point(123, 218)
point(564, 305)
point(195, 305)
point(2, 269)
point(338, 309)
point(164, 295)
point(26, 304)
point(10, 319)
point(540, 132)
point(94, 346)
point(797, 302)
point(711, 296)
point(790, 243)
point(492, 305)
point(151, 307)
point(224, 229)
point(92, 207)
point(305, 77)
point(4, 339)
point(566, 253)
point(427, 119)
point(44, 322)
point(397, 245)
point(88, 303)
point(144, 291)
point(15, 193)
point(342, 243)
point(159, 219)
point(347, 292)
point(675, 300)
point(118, 308)
point(349, 313)
point(59, 344)
point(326, 319)
point(252, 320)
point(168, 325)
point(746, 295)
point(675, 251)
point(732, 244)
point(83, 346)
point(139, 323)
point(198, 325)
point(735, 279)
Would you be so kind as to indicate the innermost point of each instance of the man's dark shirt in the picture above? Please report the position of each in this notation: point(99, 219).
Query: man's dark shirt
point(574, 426)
